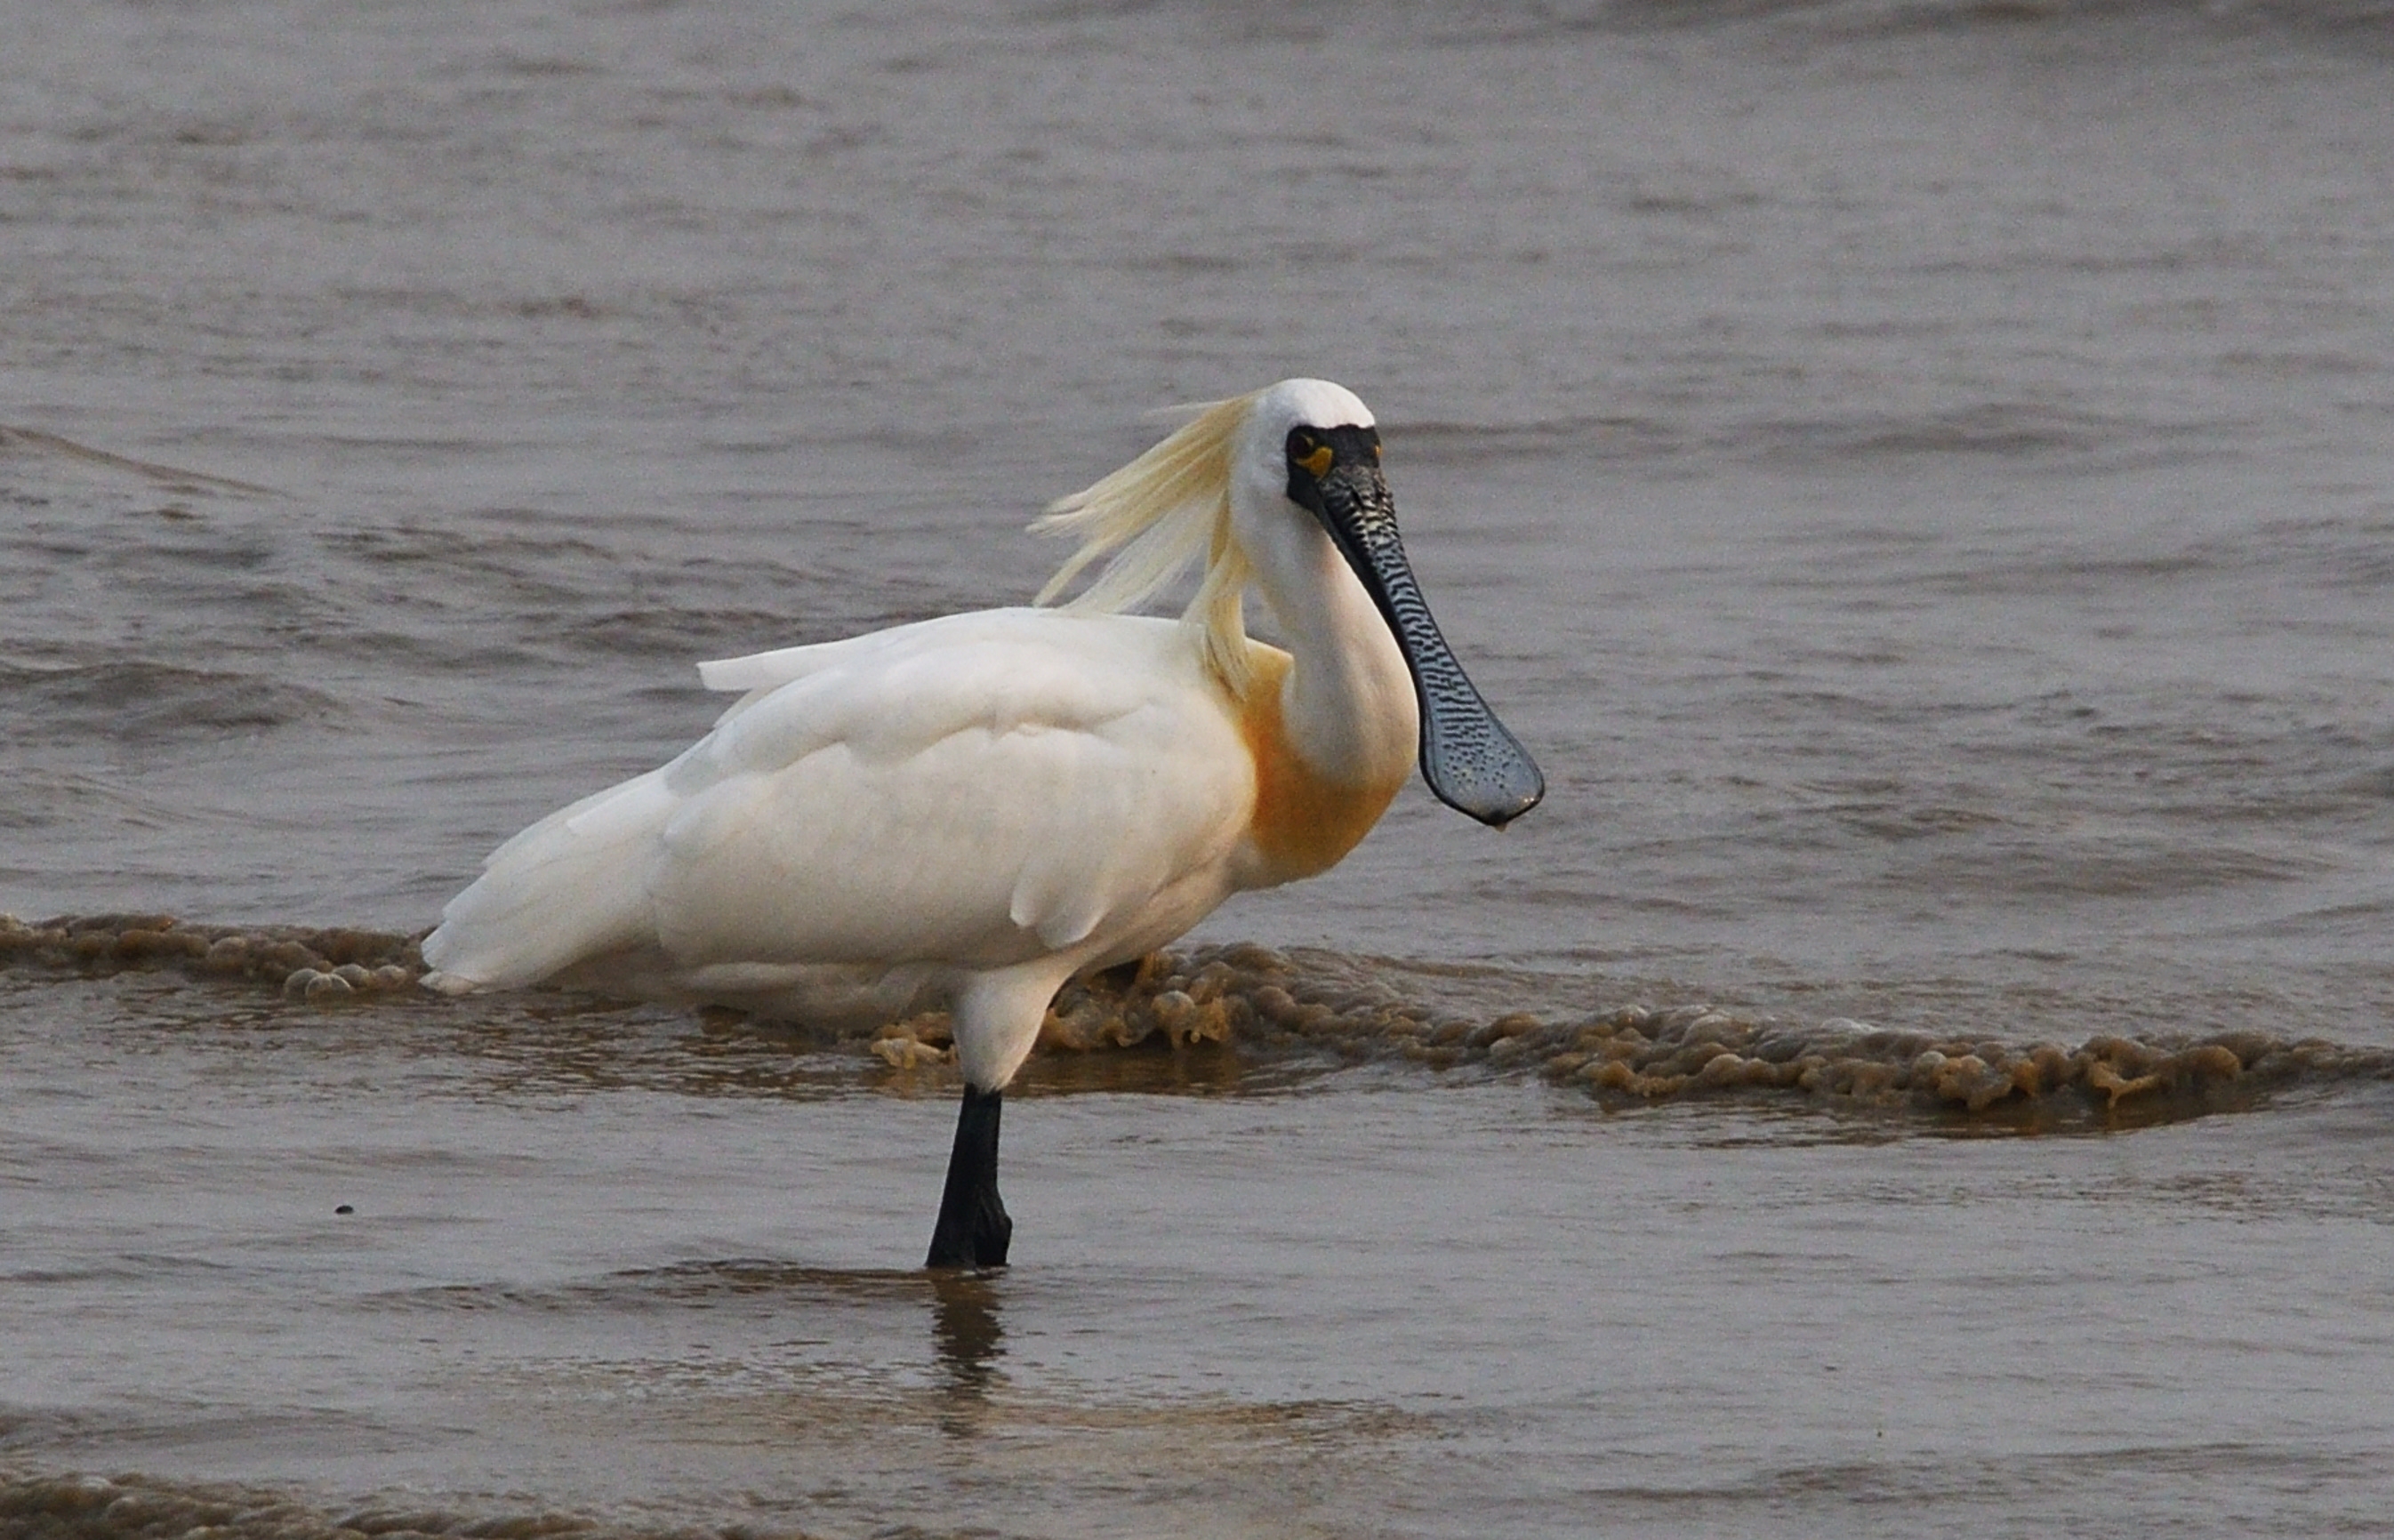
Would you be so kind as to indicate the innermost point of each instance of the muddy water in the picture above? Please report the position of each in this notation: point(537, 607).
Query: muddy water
point(1918, 476)
point(596, 1264)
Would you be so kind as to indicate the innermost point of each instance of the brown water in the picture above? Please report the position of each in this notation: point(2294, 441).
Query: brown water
point(1919, 477)
point(601, 1264)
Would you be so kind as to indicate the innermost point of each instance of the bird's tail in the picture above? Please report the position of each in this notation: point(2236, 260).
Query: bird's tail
point(573, 886)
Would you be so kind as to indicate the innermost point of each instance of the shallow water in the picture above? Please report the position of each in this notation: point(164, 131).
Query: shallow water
point(1473, 1306)
point(1918, 475)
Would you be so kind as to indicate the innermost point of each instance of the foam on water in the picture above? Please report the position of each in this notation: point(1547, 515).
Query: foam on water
point(1274, 1009)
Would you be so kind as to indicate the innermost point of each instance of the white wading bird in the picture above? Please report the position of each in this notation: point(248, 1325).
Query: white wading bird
point(977, 808)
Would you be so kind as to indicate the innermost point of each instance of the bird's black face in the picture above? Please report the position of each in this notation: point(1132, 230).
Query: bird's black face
point(1315, 452)
point(1469, 761)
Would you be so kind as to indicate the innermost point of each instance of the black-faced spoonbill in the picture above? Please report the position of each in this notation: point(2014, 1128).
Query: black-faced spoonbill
point(977, 808)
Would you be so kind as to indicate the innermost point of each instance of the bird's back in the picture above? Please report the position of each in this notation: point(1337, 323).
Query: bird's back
point(960, 795)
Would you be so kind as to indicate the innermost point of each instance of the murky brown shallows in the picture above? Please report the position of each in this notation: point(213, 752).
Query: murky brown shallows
point(548, 1265)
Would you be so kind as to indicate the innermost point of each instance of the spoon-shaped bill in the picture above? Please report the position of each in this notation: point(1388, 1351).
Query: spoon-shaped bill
point(1470, 761)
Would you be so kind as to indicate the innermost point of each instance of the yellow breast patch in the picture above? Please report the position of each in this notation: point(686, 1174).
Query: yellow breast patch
point(1304, 822)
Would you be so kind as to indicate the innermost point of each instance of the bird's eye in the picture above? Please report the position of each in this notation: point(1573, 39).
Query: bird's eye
point(1309, 452)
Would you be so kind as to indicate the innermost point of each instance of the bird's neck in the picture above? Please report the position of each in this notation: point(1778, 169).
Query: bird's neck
point(1331, 723)
point(1348, 699)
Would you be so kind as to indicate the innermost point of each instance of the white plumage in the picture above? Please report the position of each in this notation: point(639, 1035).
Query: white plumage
point(1012, 789)
point(973, 808)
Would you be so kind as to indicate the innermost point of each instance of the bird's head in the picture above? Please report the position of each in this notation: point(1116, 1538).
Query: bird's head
point(1250, 481)
point(1311, 448)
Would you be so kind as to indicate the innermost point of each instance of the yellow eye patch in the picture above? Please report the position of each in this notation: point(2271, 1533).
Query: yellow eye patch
point(1318, 463)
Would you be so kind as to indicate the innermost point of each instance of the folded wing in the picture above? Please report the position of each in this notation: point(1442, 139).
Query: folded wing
point(969, 793)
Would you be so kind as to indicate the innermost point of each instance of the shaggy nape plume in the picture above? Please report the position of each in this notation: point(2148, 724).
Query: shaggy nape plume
point(1155, 518)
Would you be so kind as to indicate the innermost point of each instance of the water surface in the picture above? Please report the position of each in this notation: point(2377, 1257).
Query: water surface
point(1918, 476)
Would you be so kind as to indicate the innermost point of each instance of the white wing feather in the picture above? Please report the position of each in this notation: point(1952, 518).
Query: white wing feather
point(970, 792)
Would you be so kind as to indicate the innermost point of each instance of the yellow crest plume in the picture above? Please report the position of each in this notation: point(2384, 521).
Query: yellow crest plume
point(1152, 521)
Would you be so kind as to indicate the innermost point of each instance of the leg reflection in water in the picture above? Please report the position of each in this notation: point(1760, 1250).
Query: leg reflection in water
point(968, 1340)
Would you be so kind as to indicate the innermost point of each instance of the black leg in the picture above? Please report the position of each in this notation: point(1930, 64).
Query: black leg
point(973, 1228)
